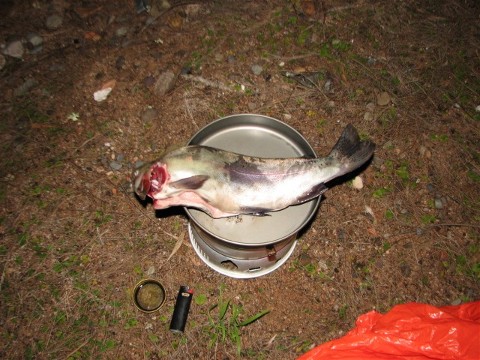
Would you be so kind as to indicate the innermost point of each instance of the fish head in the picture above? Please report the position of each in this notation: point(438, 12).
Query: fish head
point(149, 181)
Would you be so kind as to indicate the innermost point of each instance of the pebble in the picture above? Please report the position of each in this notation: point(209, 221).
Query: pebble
point(477, 109)
point(149, 115)
point(257, 69)
point(150, 271)
point(53, 22)
point(438, 203)
point(34, 43)
point(383, 98)
point(357, 183)
point(231, 59)
point(456, 302)
point(34, 40)
point(370, 106)
point(218, 57)
point(115, 165)
point(328, 85)
point(164, 83)
point(368, 116)
point(120, 157)
point(122, 31)
point(14, 49)
point(138, 164)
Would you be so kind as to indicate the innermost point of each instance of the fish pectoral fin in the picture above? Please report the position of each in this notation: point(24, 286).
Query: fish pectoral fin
point(255, 211)
point(259, 214)
point(190, 183)
point(315, 191)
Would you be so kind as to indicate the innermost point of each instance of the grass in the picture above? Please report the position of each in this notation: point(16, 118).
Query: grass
point(225, 325)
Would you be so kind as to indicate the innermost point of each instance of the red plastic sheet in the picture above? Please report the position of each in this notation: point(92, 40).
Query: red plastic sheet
point(410, 331)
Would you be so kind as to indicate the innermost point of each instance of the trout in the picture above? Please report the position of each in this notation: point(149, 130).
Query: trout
point(223, 183)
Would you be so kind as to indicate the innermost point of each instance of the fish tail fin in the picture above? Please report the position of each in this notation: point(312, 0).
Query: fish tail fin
point(351, 152)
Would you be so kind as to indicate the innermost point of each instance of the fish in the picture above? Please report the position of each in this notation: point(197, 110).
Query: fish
point(224, 184)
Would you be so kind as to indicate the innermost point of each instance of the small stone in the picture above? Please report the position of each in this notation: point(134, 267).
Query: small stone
point(120, 157)
point(115, 165)
point(34, 43)
point(357, 183)
point(150, 271)
point(164, 83)
point(456, 302)
point(53, 22)
point(287, 116)
point(257, 69)
point(370, 106)
point(368, 116)
point(218, 57)
point(149, 115)
point(122, 31)
point(477, 109)
point(138, 164)
point(328, 85)
point(34, 40)
point(331, 104)
point(438, 203)
point(14, 49)
point(383, 99)
point(231, 59)
point(430, 188)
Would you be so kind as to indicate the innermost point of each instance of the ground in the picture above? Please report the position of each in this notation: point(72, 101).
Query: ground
point(75, 240)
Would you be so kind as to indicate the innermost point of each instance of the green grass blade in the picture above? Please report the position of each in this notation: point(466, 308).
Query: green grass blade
point(254, 318)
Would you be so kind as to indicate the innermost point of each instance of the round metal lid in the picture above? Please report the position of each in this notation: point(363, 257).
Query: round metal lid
point(262, 136)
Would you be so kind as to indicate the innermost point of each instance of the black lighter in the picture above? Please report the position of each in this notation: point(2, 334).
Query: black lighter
point(180, 312)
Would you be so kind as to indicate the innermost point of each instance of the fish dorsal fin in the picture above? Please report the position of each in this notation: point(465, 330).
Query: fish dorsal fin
point(190, 183)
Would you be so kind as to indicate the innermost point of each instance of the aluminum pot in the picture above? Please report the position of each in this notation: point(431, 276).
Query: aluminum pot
point(249, 246)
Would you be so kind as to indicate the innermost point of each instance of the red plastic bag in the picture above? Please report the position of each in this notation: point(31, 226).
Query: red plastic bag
point(409, 331)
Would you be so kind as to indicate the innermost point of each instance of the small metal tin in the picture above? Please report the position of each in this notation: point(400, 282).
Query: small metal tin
point(248, 246)
point(149, 295)
point(182, 307)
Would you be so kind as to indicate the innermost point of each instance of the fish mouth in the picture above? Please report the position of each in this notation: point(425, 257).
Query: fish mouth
point(149, 182)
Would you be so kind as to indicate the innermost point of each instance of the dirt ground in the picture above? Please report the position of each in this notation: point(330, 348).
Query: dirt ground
point(75, 240)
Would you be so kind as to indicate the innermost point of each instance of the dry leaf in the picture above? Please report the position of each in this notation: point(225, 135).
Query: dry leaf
point(178, 244)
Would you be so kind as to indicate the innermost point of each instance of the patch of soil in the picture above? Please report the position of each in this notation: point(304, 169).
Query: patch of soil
point(75, 240)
